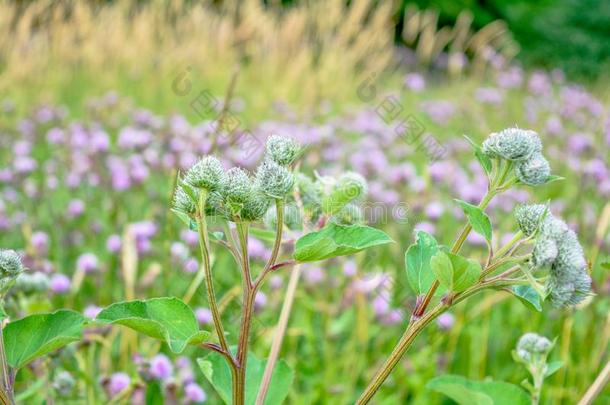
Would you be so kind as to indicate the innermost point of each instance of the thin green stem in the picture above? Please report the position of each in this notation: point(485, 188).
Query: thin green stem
point(506, 248)
point(205, 254)
point(6, 390)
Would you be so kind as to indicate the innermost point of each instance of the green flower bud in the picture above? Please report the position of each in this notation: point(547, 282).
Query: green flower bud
point(215, 206)
point(569, 288)
point(64, 383)
point(208, 174)
point(274, 180)
point(11, 266)
point(281, 150)
point(349, 187)
point(255, 207)
point(292, 217)
point(529, 217)
point(533, 171)
point(350, 214)
point(545, 252)
point(512, 144)
point(532, 347)
point(311, 194)
point(30, 283)
point(237, 187)
point(183, 202)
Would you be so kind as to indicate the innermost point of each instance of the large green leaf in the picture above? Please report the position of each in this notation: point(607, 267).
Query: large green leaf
point(338, 240)
point(470, 392)
point(167, 319)
point(218, 373)
point(478, 219)
point(36, 335)
point(417, 262)
point(528, 296)
point(454, 272)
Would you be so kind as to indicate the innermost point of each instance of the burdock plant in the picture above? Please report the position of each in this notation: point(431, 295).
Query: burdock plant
point(207, 194)
point(543, 259)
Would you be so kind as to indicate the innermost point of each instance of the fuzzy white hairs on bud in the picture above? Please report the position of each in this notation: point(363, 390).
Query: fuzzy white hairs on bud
point(532, 346)
point(207, 173)
point(274, 180)
point(281, 150)
point(512, 144)
point(533, 171)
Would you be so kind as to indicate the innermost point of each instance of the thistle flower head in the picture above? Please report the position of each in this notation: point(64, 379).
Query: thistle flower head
point(183, 202)
point(568, 289)
point(215, 205)
point(529, 217)
point(31, 283)
point(237, 186)
point(534, 170)
point(10, 267)
point(208, 174)
point(512, 144)
point(282, 150)
point(274, 180)
point(545, 252)
point(532, 346)
point(10, 264)
point(255, 207)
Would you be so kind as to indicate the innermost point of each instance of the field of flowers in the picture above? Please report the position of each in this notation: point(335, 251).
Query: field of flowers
point(102, 183)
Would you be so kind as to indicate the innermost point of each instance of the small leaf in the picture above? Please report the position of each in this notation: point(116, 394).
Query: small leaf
point(606, 265)
point(217, 372)
point(183, 217)
point(36, 335)
point(478, 219)
point(483, 159)
point(528, 296)
point(167, 319)
point(552, 178)
point(470, 392)
point(552, 367)
point(454, 272)
point(417, 262)
point(338, 240)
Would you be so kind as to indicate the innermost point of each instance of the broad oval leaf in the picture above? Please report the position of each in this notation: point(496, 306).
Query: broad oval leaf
point(217, 372)
point(454, 272)
point(528, 296)
point(167, 319)
point(36, 335)
point(479, 220)
point(338, 240)
point(417, 262)
point(470, 392)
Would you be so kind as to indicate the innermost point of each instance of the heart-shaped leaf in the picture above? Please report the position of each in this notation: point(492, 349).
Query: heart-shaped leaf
point(36, 335)
point(216, 370)
point(478, 219)
point(470, 392)
point(417, 262)
point(454, 272)
point(167, 319)
point(338, 240)
point(528, 296)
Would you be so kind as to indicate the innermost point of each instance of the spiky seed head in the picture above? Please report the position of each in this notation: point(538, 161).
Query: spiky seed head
point(237, 186)
point(545, 252)
point(512, 144)
point(281, 150)
point(255, 207)
point(533, 171)
point(310, 192)
point(568, 289)
point(530, 217)
point(274, 180)
point(182, 202)
point(10, 264)
point(207, 173)
point(31, 283)
point(215, 206)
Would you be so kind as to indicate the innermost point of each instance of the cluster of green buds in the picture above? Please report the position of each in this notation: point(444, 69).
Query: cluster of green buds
point(532, 351)
point(235, 194)
point(556, 248)
point(11, 267)
point(522, 148)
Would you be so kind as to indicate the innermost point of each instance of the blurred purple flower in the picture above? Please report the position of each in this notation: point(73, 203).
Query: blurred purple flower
point(60, 283)
point(113, 244)
point(204, 316)
point(87, 262)
point(91, 311)
point(193, 393)
point(445, 321)
point(191, 265)
point(161, 367)
point(40, 242)
point(75, 208)
point(117, 383)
